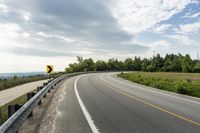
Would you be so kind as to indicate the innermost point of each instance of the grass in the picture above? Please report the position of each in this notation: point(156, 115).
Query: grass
point(4, 109)
point(183, 83)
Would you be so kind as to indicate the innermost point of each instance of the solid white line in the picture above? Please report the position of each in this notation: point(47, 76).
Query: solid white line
point(157, 92)
point(84, 109)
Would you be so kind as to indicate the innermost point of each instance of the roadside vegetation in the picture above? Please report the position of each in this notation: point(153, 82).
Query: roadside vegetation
point(176, 73)
point(183, 83)
point(14, 81)
point(169, 63)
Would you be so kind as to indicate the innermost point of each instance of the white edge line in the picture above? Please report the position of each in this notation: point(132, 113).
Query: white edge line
point(84, 109)
point(138, 86)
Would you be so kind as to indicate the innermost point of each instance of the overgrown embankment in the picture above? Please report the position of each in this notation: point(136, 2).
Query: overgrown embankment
point(183, 83)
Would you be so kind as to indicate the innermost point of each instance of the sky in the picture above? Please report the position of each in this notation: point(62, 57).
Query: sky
point(36, 33)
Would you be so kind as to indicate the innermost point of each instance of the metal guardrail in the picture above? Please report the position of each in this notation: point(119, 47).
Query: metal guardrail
point(18, 118)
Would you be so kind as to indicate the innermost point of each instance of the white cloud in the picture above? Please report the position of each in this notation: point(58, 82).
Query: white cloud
point(187, 28)
point(25, 15)
point(56, 36)
point(182, 39)
point(162, 44)
point(161, 47)
point(10, 34)
point(194, 15)
point(3, 7)
point(156, 44)
point(10, 30)
point(137, 16)
point(26, 35)
point(162, 28)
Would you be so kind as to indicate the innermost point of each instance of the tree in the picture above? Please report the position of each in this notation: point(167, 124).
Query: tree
point(129, 64)
point(197, 67)
point(171, 62)
point(186, 63)
point(101, 65)
point(88, 64)
point(137, 64)
point(145, 63)
point(113, 64)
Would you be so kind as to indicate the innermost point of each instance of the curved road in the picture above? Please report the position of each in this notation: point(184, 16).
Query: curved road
point(103, 103)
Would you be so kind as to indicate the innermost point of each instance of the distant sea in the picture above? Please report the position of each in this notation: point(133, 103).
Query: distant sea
point(19, 74)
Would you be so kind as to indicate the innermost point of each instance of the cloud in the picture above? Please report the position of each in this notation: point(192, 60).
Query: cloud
point(137, 16)
point(160, 44)
point(38, 52)
point(3, 7)
point(69, 25)
point(182, 39)
point(54, 29)
point(161, 47)
point(162, 28)
point(187, 28)
point(56, 36)
point(190, 15)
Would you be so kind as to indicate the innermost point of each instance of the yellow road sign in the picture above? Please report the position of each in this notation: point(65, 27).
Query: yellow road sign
point(49, 69)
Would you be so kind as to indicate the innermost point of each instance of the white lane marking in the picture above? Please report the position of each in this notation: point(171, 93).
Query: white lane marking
point(84, 109)
point(132, 85)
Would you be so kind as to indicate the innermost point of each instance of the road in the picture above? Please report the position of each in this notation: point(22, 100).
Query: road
point(103, 103)
point(12, 93)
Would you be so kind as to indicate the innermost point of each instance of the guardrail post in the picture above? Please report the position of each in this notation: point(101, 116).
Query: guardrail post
point(52, 87)
point(39, 88)
point(12, 109)
point(29, 96)
point(44, 84)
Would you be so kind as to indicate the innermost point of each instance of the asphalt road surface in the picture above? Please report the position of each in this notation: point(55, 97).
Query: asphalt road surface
point(103, 103)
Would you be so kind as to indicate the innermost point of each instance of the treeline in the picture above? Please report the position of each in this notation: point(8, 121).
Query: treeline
point(169, 63)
